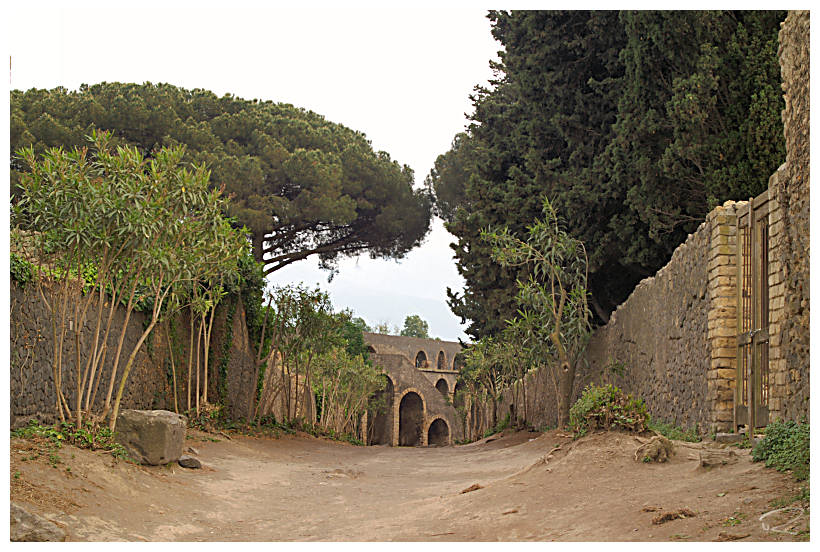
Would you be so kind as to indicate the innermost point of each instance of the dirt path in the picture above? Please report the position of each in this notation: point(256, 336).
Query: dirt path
point(307, 489)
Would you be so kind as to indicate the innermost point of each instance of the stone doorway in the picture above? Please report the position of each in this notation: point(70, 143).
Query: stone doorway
point(439, 433)
point(411, 420)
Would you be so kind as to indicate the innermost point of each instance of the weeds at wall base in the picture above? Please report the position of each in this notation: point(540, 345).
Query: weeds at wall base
point(53, 437)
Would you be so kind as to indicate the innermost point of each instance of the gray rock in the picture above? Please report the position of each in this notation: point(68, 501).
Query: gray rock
point(27, 527)
point(151, 437)
point(189, 462)
point(729, 437)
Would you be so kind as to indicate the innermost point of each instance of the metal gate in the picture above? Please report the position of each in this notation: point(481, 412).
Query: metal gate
point(752, 382)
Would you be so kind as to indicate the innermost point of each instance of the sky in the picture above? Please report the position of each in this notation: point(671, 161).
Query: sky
point(402, 76)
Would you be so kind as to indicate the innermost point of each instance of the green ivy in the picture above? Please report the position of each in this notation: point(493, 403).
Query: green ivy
point(225, 355)
point(785, 447)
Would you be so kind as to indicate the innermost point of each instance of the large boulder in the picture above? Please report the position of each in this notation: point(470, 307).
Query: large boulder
point(27, 527)
point(151, 437)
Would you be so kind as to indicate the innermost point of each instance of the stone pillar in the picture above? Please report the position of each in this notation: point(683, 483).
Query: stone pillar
point(722, 314)
point(777, 362)
point(394, 440)
point(425, 429)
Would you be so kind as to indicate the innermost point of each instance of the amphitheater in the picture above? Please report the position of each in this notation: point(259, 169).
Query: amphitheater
point(417, 404)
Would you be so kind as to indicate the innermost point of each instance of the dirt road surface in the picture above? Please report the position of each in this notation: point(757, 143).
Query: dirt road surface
point(528, 487)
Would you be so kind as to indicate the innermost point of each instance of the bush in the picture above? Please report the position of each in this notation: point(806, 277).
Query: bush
point(22, 271)
point(606, 407)
point(785, 447)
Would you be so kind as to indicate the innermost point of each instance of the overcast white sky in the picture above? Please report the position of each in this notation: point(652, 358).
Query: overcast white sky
point(401, 76)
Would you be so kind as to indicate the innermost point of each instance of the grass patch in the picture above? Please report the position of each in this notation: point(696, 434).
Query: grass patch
point(671, 431)
point(86, 437)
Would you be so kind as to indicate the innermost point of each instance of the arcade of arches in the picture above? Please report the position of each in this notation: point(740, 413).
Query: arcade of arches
point(416, 406)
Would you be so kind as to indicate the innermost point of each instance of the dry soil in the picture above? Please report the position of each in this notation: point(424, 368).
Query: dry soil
point(527, 487)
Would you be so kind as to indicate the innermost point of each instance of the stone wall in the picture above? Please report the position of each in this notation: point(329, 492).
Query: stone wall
point(790, 393)
point(32, 392)
point(406, 378)
point(411, 346)
point(150, 384)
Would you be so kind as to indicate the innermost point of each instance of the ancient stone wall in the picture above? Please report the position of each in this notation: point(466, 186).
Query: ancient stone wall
point(150, 384)
point(658, 344)
point(406, 378)
point(32, 392)
point(790, 393)
point(411, 346)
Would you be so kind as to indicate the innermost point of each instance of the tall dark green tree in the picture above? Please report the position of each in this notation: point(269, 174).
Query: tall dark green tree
point(633, 124)
point(302, 184)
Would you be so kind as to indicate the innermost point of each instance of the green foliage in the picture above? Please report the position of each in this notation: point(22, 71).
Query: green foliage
point(302, 184)
point(552, 325)
point(345, 386)
point(414, 326)
point(634, 124)
point(149, 232)
point(605, 407)
point(351, 332)
point(87, 437)
point(671, 431)
point(786, 448)
point(499, 427)
point(361, 324)
point(22, 271)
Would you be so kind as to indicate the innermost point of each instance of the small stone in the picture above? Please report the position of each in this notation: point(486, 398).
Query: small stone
point(192, 450)
point(189, 462)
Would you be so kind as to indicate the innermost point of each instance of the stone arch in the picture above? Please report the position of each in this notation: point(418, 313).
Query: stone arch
point(421, 360)
point(442, 387)
point(438, 432)
point(441, 361)
point(379, 417)
point(371, 349)
point(458, 362)
point(411, 414)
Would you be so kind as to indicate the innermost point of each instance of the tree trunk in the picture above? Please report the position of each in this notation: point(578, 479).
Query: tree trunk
point(566, 377)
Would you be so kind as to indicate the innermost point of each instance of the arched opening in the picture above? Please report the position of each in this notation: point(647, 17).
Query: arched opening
point(371, 349)
point(439, 433)
point(458, 362)
point(441, 362)
point(411, 419)
point(421, 360)
point(379, 415)
point(442, 387)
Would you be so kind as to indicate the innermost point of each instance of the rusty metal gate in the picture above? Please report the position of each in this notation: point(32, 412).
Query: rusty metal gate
point(752, 382)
